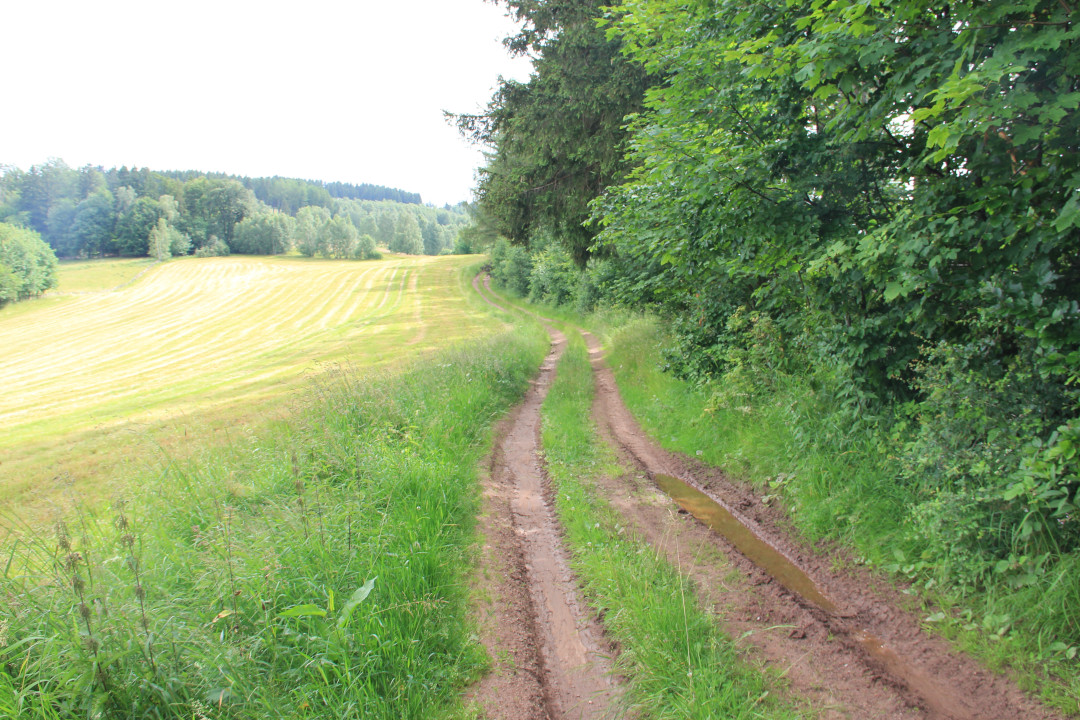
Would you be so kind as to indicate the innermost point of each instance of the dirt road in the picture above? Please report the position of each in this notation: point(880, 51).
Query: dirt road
point(841, 638)
point(551, 660)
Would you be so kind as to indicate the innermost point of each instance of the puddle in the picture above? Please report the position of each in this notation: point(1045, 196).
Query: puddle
point(765, 556)
point(936, 698)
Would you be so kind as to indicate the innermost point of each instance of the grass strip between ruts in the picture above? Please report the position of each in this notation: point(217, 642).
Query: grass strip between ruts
point(676, 660)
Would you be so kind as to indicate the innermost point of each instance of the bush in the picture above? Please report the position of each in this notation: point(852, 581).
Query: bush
point(511, 267)
point(553, 278)
point(266, 234)
point(30, 264)
point(214, 248)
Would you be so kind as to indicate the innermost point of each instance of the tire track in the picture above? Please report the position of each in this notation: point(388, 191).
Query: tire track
point(846, 645)
point(550, 655)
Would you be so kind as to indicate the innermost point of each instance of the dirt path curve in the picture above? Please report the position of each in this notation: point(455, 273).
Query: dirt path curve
point(549, 651)
point(839, 637)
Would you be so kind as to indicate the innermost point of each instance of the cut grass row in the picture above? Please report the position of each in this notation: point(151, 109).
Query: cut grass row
point(677, 662)
point(316, 573)
point(83, 276)
point(97, 382)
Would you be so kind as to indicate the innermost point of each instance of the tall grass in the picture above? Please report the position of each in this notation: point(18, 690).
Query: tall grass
point(677, 662)
point(840, 483)
point(317, 572)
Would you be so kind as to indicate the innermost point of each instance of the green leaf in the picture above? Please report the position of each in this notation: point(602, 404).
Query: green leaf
point(308, 610)
point(892, 290)
point(357, 597)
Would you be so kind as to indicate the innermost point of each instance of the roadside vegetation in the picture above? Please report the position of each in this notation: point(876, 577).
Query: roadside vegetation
point(318, 571)
point(676, 661)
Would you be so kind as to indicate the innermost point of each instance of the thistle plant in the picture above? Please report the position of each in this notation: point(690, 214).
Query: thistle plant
point(127, 541)
point(71, 562)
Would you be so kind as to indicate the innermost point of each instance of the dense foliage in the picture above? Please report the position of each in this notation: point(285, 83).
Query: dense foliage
point(27, 265)
point(882, 198)
point(92, 212)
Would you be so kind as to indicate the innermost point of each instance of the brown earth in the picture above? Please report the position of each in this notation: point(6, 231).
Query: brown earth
point(845, 642)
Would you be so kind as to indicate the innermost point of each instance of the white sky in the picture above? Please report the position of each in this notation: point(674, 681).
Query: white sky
point(349, 90)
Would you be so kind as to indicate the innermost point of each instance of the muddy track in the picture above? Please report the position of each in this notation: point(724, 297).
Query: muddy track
point(839, 636)
point(549, 652)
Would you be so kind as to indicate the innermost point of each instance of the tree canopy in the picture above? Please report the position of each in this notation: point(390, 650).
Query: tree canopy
point(885, 191)
point(92, 212)
point(558, 140)
point(27, 264)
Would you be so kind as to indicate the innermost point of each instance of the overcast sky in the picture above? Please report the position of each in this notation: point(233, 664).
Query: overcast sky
point(321, 89)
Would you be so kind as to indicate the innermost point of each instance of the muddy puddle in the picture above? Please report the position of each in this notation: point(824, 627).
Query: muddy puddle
point(765, 556)
point(935, 697)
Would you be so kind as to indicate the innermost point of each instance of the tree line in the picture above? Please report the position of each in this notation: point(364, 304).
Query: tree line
point(93, 212)
point(881, 197)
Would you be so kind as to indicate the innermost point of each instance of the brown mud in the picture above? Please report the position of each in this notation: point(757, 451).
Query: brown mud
point(549, 653)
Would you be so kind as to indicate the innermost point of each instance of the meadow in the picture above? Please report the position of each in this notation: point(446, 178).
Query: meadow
point(308, 568)
point(128, 360)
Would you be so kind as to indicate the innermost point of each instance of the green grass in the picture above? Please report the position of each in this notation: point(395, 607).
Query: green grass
point(677, 662)
point(252, 563)
point(95, 382)
point(838, 484)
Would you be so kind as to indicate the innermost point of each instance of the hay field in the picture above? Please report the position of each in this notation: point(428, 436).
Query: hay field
point(97, 381)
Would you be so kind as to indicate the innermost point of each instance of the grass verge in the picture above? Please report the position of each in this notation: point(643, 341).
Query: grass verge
point(677, 662)
point(316, 572)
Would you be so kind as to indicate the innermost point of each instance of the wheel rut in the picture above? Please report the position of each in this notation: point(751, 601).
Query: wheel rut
point(841, 638)
point(550, 657)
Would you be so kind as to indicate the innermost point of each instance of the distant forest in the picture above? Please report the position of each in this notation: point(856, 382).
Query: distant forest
point(290, 194)
point(93, 212)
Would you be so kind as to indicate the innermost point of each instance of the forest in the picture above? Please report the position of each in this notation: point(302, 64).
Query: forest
point(93, 212)
point(868, 209)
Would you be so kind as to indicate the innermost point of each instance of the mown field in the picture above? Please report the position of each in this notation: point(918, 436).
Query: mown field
point(128, 360)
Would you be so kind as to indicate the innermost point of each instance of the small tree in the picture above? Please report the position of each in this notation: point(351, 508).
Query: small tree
point(407, 237)
point(338, 237)
point(308, 229)
point(265, 234)
point(365, 247)
point(158, 241)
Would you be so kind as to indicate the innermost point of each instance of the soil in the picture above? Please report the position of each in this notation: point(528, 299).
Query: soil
point(845, 643)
